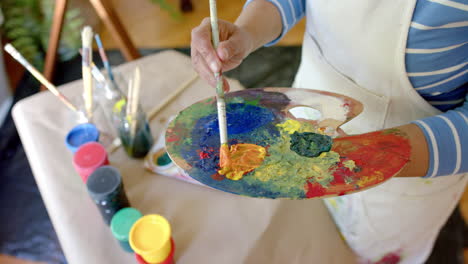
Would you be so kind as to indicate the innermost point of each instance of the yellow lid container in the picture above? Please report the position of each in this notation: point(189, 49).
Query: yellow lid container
point(150, 237)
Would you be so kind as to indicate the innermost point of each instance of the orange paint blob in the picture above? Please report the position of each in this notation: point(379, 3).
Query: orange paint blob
point(240, 159)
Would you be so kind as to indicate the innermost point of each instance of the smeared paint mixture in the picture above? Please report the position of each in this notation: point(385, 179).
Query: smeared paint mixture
point(285, 169)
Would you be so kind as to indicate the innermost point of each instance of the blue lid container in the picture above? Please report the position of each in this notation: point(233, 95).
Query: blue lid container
point(81, 134)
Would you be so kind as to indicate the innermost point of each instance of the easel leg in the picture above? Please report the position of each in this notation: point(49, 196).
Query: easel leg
point(112, 22)
point(54, 38)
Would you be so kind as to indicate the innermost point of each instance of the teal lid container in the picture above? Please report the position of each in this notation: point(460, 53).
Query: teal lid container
point(121, 224)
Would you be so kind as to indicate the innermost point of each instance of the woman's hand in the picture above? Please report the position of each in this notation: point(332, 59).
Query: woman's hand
point(235, 44)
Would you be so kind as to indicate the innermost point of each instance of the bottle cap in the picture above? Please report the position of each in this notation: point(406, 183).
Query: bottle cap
point(80, 135)
point(150, 237)
point(88, 158)
point(123, 221)
point(104, 182)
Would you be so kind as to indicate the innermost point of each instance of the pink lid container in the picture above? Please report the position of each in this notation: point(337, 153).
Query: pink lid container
point(168, 260)
point(88, 158)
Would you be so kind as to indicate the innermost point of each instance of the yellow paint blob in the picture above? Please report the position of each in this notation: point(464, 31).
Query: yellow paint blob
point(350, 164)
point(242, 158)
point(333, 203)
point(290, 126)
point(366, 180)
point(150, 237)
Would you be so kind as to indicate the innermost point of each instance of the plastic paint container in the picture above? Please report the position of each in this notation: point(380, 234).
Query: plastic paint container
point(150, 237)
point(121, 225)
point(162, 163)
point(88, 158)
point(80, 135)
point(169, 259)
point(106, 189)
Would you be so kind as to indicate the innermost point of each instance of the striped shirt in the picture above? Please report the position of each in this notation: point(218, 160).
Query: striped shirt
point(437, 67)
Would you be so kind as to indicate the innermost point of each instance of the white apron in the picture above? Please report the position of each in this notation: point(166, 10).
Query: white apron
point(357, 48)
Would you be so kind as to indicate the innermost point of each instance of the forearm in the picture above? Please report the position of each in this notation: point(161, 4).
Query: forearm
point(262, 20)
point(419, 159)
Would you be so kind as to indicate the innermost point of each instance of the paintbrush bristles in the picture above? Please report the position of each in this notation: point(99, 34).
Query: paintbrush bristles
point(87, 36)
point(87, 41)
point(34, 72)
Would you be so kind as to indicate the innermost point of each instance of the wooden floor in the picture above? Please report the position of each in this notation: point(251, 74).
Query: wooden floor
point(4, 259)
point(151, 27)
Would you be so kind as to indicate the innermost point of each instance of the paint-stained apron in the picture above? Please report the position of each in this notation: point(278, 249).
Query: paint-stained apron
point(357, 48)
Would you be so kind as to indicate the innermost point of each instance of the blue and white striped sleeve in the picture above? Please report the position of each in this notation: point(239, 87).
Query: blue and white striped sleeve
point(447, 138)
point(291, 12)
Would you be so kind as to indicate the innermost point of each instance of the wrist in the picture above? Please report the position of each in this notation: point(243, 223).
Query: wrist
point(262, 22)
point(250, 45)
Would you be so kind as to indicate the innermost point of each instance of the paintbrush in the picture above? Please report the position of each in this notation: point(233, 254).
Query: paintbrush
point(107, 66)
point(18, 57)
point(221, 105)
point(135, 100)
point(103, 55)
point(87, 57)
point(97, 74)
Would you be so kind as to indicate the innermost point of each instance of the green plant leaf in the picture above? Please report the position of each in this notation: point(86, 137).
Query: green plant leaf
point(174, 12)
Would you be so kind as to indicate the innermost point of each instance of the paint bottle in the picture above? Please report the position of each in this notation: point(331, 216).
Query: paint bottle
point(161, 163)
point(106, 188)
point(88, 158)
point(150, 238)
point(135, 134)
point(121, 224)
point(80, 135)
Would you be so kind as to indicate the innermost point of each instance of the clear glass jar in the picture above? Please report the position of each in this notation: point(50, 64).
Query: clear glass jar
point(135, 133)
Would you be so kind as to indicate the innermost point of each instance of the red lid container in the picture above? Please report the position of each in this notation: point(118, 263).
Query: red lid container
point(168, 260)
point(88, 158)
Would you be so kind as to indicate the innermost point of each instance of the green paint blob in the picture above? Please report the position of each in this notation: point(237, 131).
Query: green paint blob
point(163, 160)
point(309, 144)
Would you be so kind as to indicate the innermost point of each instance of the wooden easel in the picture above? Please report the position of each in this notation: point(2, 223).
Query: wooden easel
point(111, 21)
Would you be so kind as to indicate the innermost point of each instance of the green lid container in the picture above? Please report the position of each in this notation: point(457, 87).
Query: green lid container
point(121, 224)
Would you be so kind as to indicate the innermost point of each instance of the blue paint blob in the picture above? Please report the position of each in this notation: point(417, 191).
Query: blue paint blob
point(246, 124)
point(241, 118)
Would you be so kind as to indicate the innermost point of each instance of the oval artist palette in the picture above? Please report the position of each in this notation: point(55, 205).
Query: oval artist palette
point(272, 134)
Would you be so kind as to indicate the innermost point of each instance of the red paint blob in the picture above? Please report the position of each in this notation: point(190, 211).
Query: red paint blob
point(315, 190)
point(378, 156)
point(390, 258)
point(203, 155)
point(218, 177)
point(172, 138)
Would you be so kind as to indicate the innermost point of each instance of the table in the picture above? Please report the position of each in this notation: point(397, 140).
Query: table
point(209, 226)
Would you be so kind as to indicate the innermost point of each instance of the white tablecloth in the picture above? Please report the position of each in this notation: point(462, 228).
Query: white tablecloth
point(208, 226)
